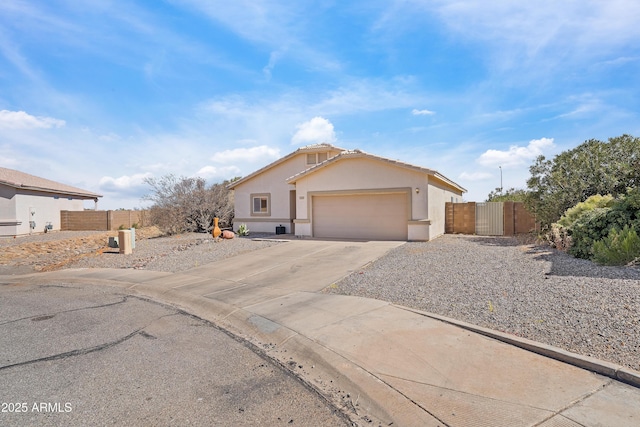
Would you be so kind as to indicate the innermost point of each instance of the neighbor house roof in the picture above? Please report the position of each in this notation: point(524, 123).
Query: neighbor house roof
point(306, 149)
point(25, 181)
point(349, 154)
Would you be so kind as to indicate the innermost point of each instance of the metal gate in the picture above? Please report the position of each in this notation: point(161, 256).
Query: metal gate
point(490, 219)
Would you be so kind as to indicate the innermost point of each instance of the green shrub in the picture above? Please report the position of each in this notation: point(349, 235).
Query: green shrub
point(590, 227)
point(618, 248)
point(596, 201)
point(243, 230)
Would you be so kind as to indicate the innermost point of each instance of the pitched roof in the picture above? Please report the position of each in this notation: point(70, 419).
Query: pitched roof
point(21, 180)
point(357, 153)
point(306, 149)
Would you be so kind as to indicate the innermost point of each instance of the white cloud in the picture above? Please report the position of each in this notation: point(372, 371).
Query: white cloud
point(273, 60)
point(416, 112)
point(218, 172)
point(316, 130)
point(273, 23)
point(125, 184)
point(249, 155)
point(515, 155)
point(367, 96)
point(22, 120)
point(534, 25)
point(475, 176)
point(110, 137)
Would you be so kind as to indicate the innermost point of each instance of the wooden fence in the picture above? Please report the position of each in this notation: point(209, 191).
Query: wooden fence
point(102, 220)
point(462, 218)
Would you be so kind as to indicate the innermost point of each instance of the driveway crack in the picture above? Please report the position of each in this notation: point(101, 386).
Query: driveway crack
point(84, 351)
point(123, 300)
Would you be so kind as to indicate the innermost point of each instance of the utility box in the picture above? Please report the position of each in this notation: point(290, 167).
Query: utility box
point(280, 230)
point(124, 242)
point(133, 238)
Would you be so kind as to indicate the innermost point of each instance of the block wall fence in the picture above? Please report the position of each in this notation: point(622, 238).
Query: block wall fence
point(102, 220)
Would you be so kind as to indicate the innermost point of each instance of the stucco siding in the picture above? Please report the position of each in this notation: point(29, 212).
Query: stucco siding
point(439, 194)
point(46, 208)
point(356, 183)
point(362, 174)
point(274, 183)
point(8, 219)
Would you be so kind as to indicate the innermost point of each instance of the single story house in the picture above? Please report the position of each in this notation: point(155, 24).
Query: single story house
point(30, 204)
point(327, 192)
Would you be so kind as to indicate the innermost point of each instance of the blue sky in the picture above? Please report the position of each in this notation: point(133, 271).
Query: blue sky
point(101, 94)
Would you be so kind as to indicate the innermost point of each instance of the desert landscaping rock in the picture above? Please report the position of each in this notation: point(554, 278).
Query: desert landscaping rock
point(527, 290)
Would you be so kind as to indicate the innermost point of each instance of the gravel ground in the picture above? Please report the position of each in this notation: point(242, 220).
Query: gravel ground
point(173, 254)
point(531, 291)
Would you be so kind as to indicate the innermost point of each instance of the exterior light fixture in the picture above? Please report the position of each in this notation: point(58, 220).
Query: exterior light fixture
point(417, 190)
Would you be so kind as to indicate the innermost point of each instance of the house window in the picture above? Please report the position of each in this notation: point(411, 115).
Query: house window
point(311, 159)
point(316, 158)
point(261, 204)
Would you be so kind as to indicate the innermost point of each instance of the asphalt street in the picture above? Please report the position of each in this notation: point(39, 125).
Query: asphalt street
point(82, 355)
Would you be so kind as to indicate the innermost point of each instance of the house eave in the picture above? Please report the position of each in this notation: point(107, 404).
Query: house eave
point(360, 154)
point(87, 196)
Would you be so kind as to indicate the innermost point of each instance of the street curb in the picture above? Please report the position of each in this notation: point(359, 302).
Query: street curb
point(608, 369)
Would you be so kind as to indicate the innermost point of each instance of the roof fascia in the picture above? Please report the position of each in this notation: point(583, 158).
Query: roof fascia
point(51, 191)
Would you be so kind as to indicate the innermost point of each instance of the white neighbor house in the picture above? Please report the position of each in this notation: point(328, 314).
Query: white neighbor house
point(28, 204)
point(327, 192)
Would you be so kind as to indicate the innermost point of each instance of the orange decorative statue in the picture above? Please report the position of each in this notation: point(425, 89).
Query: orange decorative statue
point(216, 230)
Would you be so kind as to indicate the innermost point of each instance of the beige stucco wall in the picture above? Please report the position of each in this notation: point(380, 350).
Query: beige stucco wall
point(8, 226)
point(273, 182)
point(439, 194)
point(362, 174)
point(46, 207)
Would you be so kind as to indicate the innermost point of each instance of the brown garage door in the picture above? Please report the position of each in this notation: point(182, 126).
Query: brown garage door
point(361, 216)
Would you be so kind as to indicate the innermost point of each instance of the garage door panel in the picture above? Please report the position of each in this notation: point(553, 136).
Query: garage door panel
point(362, 216)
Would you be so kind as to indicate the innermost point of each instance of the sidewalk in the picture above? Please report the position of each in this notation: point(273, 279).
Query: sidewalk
point(381, 363)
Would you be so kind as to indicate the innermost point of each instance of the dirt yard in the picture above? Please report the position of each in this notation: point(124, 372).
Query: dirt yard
point(52, 251)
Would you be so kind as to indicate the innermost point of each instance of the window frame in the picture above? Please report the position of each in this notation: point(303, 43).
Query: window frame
point(316, 157)
point(266, 197)
point(314, 161)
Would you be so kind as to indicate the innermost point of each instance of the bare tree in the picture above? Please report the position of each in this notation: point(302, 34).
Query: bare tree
point(187, 204)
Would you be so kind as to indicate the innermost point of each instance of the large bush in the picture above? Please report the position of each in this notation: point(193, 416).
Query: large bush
point(590, 227)
point(594, 167)
point(593, 221)
point(618, 248)
point(559, 235)
point(593, 202)
point(188, 204)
